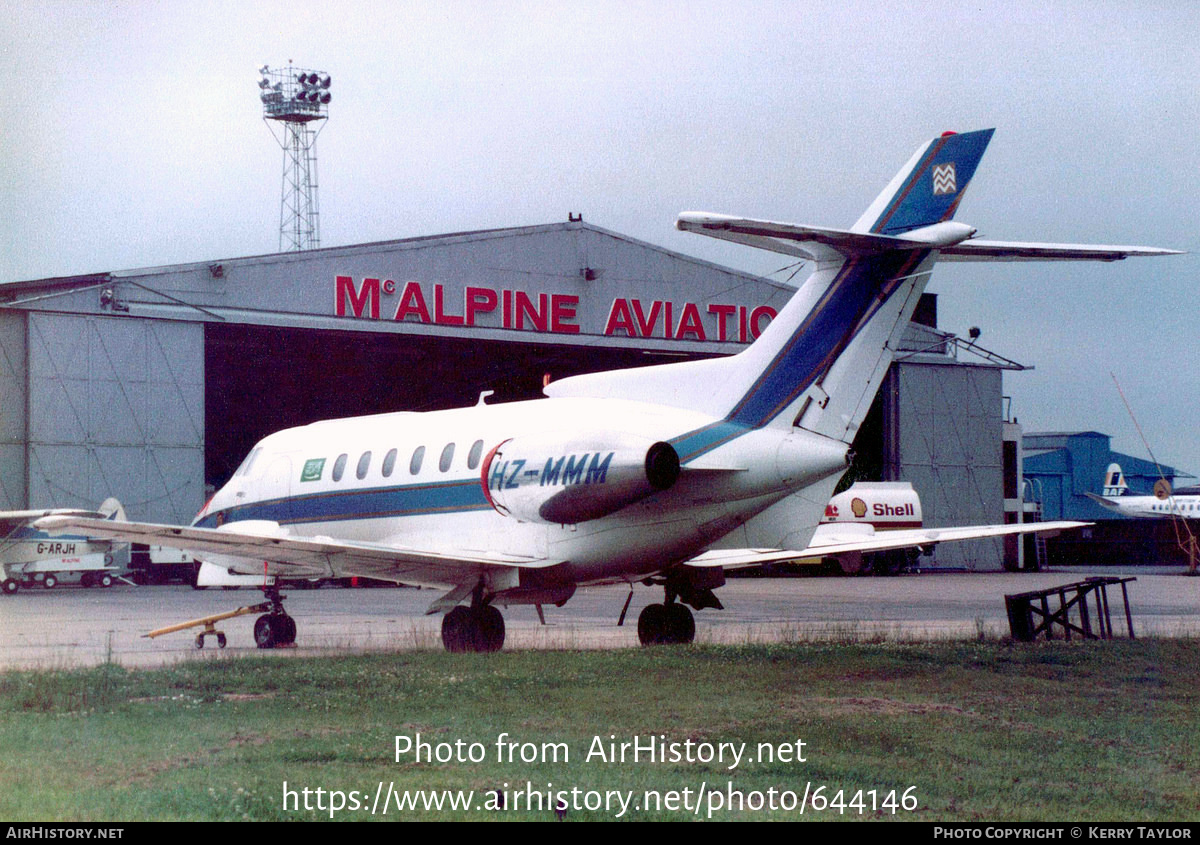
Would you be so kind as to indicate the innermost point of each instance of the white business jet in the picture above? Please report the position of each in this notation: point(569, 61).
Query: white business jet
point(661, 475)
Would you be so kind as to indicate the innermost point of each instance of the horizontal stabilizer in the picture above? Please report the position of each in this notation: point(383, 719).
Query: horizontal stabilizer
point(977, 250)
point(816, 242)
point(1105, 503)
point(953, 240)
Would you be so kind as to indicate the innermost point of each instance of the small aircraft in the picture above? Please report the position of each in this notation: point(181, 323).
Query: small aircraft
point(1163, 504)
point(662, 475)
point(30, 556)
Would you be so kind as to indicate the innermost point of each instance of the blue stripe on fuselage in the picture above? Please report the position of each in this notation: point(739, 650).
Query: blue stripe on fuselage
point(373, 503)
point(696, 443)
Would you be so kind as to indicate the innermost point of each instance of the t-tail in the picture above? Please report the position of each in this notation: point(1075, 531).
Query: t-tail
point(1114, 481)
point(822, 359)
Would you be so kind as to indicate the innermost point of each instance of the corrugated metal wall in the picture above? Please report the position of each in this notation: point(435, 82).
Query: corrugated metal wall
point(13, 410)
point(949, 437)
point(116, 408)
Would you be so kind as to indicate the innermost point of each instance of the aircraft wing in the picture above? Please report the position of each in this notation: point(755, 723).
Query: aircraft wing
point(977, 250)
point(833, 539)
point(262, 548)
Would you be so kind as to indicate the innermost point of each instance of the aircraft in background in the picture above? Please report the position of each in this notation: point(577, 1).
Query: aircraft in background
point(1164, 503)
point(662, 475)
point(30, 556)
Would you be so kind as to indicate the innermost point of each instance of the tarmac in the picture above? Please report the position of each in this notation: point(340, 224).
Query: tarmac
point(70, 626)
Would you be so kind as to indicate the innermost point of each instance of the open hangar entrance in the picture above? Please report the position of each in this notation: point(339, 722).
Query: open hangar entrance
point(260, 379)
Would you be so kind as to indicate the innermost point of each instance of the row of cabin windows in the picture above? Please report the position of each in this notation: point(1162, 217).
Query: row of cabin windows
point(414, 463)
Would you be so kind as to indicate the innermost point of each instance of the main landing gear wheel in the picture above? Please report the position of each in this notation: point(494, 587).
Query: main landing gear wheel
point(666, 624)
point(272, 630)
point(466, 629)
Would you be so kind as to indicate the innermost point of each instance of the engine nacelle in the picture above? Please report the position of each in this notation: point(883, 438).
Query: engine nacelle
point(567, 479)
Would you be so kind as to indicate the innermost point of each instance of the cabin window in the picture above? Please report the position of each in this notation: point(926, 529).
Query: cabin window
point(447, 457)
point(364, 463)
point(414, 466)
point(339, 467)
point(475, 454)
point(389, 463)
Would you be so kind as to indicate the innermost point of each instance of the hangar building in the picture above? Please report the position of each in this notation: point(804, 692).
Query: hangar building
point(150, 384)
point(1061, 467)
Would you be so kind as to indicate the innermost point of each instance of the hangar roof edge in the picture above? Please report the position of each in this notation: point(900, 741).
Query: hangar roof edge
point(416, 241)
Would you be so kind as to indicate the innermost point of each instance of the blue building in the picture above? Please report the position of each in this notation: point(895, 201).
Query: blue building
point(1060, 467)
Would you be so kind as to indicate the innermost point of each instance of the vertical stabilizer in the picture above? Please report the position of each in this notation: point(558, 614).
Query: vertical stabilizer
point(928, 189)
point(822, 358)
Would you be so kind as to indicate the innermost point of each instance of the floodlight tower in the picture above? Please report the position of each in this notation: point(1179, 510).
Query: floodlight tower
point(294, 99)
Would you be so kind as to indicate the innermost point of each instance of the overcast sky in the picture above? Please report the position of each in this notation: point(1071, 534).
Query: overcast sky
point(132, 136)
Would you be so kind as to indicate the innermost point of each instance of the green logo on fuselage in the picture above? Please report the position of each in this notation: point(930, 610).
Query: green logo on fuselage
point(313, 468)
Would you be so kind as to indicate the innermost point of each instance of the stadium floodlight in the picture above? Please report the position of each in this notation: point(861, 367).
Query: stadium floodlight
point(294, 102)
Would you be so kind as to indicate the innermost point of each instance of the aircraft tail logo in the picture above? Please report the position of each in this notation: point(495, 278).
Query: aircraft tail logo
point(944, 179)
point(1114, 481)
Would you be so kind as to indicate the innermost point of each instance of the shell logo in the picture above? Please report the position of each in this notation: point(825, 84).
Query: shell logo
point(859, 507)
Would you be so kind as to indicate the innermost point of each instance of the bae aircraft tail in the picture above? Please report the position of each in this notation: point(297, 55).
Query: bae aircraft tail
point(820, 362)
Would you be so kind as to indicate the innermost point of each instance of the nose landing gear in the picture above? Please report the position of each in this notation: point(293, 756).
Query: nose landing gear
point(275, 628)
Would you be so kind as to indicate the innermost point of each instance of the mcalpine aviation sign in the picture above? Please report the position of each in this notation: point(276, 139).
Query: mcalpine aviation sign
point(546, 312)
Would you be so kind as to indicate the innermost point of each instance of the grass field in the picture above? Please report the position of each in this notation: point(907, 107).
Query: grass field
point(954, 731)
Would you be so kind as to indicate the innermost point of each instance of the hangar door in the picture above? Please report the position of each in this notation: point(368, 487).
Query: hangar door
point(261, 379)
point(116, 408)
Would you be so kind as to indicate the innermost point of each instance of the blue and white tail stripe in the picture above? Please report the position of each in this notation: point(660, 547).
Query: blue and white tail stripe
point(933, 189)
point(860, 288)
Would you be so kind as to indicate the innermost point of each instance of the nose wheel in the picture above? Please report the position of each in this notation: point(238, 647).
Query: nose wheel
point(273, 630)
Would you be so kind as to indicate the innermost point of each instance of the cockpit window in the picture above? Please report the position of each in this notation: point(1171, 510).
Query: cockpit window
point(244, 469)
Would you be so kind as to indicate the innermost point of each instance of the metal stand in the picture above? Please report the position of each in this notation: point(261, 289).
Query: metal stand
point(1023, 608)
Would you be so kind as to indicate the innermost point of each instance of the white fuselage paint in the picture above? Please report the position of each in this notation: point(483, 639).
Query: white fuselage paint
point(744, 471)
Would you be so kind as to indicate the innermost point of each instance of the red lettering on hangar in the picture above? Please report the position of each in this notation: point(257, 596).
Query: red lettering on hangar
point(556, 313)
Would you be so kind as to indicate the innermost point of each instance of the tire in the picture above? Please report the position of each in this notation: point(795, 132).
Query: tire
point(10, 586)
point(652, 624)
point(287, 630)
point(457, 627)
point(106, 580)
point(49, 582)
point(681, 625)
point(266, 633)
point(490, 630)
